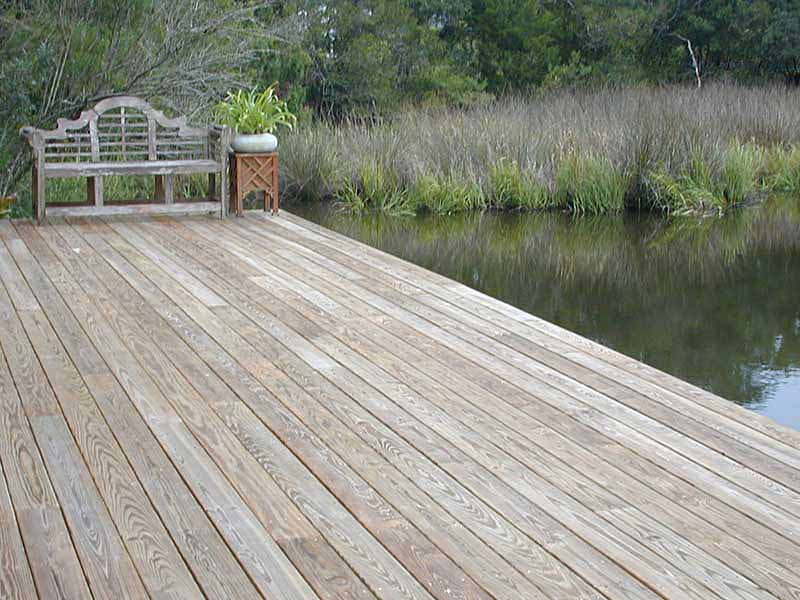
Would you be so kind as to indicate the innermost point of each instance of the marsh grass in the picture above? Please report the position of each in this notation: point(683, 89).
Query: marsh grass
point(512, 188)
point(738, 176)
point(674, 149)
point(784, 170)
point(443, 197)
point(589, 185)
point(374, 187)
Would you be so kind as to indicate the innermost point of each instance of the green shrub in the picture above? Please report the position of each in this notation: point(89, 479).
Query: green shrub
point(254, 112)
point(681, 194)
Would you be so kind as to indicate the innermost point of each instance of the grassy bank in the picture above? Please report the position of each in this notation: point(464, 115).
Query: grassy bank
point(678, 150)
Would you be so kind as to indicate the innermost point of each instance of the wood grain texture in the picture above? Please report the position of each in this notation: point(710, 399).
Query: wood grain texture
point(759, 536)
point(549, 574)
point(264, 562)
point(103, 557)
point(755, 537)
point(324, 568)
point(514, 319)
point(16, 580)
point(362, 501)
point(337, 525)
point(157, 560)
point(727, 579)
point(48, 547)
point(540, 382)
point(263, 408)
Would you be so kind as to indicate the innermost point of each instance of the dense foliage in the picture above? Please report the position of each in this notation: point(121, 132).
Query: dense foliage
point(371, 55)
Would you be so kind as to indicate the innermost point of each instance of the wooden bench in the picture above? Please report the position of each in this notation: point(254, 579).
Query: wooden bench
point(124, 135)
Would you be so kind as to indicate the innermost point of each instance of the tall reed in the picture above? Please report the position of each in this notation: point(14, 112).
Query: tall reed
point(662, 148)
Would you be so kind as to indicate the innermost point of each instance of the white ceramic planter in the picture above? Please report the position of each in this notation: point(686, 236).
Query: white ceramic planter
point(254, 143)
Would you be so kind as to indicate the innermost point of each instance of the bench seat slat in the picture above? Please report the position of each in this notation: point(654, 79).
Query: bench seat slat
point(139, 167)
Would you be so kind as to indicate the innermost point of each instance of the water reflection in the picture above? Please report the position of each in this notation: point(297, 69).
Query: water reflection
point(715, 302)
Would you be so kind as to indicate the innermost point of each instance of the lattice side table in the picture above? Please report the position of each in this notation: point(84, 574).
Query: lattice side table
point(254, 172)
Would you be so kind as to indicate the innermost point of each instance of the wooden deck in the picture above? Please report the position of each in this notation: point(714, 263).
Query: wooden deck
point(258, 407)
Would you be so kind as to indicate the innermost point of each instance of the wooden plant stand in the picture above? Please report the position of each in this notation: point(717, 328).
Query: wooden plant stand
point(255, 172)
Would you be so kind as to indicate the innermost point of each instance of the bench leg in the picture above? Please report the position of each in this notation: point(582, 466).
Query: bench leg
point(225, 192)
point(275, 186)
point(165, 189)
point(212, 186)
point(94, 190)
point(38, 189)
point(169, 189)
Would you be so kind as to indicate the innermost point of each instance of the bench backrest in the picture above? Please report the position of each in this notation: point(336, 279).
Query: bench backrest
point(123, 128)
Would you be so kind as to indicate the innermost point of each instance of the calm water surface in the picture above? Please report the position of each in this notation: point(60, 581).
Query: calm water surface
point(714, 301)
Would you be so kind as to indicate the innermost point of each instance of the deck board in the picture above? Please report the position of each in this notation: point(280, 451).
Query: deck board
point(260, 407)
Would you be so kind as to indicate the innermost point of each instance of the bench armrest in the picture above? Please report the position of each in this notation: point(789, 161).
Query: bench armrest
point(34, 136)
point(219, 138)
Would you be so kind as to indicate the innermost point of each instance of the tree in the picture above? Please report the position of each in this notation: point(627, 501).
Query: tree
point(780, 43)
point(517, 42)
point(370, 56)
point(58, 56)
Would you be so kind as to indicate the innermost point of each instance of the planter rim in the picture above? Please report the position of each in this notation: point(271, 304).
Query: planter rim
point(254, 142)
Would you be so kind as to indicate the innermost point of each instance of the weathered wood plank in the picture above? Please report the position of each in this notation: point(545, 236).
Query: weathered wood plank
point(179, 208)
point(774, 547)
point(291, 530)
point(107, 564)
point(216, 241)
point(350, 540)
point(103, 558)
point(388, 484)
point(550, 576)
point(16, 580)
point(266, 408)
point(48, 547)
point(519, 370)
point(726, 577)
point(138, 167)
point(613, 381)
point(757, 460)
point(254, 548)
point(155, 556)
point(517, 320)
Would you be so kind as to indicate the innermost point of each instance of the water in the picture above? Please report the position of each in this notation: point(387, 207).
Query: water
point(713, 301)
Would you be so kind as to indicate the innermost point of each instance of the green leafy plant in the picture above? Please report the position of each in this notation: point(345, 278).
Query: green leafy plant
point(253, 112)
